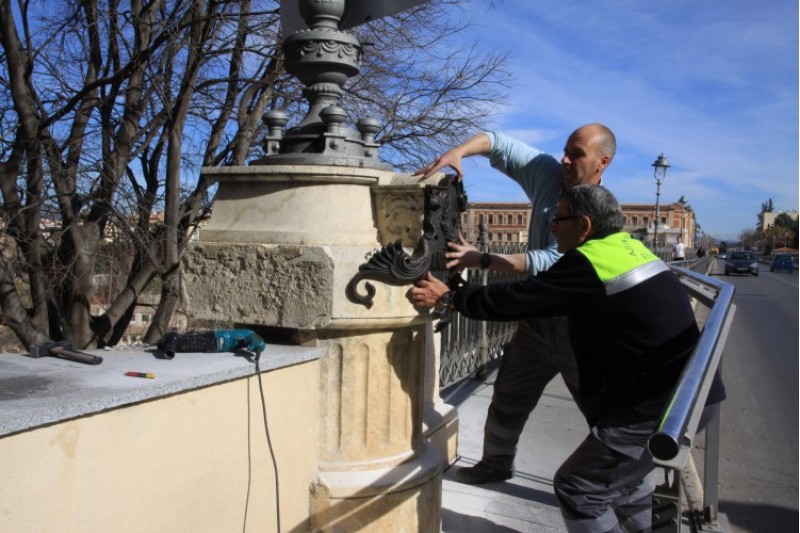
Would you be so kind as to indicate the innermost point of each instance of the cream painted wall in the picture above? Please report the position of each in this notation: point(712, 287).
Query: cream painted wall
point(197, 461)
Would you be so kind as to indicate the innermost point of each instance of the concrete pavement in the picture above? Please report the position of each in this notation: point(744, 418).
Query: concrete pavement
point(525, 503)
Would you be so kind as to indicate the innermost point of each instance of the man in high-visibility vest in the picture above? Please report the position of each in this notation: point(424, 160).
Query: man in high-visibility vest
point(632, 330)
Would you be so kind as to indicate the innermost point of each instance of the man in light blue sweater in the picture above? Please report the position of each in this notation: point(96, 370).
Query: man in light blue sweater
point(540, 348)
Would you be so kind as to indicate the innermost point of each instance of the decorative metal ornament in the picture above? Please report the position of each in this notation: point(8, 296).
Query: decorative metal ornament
point(323, 58)
point(441, 224)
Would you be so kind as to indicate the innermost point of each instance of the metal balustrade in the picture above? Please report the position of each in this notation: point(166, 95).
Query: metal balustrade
point(467, 346)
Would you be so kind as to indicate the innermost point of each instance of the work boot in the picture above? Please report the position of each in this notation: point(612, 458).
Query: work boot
point(480, 474)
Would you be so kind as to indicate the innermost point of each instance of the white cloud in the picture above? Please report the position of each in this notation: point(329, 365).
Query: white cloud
point(711, 84)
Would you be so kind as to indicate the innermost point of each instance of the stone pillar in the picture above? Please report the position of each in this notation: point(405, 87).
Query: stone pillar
point(398, 212)
point(278, 252)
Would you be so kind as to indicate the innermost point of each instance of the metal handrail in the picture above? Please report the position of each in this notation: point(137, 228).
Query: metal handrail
point(671, 441)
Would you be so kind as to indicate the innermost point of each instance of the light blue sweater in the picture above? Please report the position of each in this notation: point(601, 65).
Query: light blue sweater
point(539, 174)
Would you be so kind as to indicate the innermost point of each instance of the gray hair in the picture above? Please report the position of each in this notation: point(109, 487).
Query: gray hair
point(597, 203)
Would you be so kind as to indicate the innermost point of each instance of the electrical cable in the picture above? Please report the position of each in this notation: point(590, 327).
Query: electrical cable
point(269, 443)
point(249, 460)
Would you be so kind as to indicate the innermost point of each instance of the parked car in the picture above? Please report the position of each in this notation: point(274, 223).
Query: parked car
point(782, 262)
point(740, 262)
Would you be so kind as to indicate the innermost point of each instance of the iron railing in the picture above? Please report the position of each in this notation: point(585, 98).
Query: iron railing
point(467, 346)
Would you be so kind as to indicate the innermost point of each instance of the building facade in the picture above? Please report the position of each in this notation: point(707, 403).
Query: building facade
point(508, 222)
point(767, 219)
point(675, 220)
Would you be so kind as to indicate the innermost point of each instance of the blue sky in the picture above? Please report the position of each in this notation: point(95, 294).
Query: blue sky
point(713, 84)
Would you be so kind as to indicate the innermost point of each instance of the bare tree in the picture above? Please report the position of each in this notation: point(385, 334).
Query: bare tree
point(108, 110)
point(748, 238)
point(440, 93)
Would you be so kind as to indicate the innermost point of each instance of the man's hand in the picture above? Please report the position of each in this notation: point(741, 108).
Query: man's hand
point(463, 255)
point(451, 158)
point(427, 292)
point(477, 145)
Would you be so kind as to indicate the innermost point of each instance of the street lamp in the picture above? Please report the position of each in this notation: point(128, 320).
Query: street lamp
point(682, 201)
point(698, 235)
point(659, 173)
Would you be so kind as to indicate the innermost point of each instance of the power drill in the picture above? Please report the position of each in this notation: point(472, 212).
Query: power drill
point(218, 340)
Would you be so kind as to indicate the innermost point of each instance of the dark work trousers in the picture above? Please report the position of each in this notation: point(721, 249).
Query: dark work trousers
point(602, 486)
point(538, 351)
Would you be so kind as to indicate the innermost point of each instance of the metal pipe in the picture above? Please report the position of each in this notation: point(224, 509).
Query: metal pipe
point(483, 246)
point(671, 434)
point(711, 471)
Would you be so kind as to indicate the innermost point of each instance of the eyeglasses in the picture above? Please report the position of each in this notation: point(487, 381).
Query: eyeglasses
point(556, 220)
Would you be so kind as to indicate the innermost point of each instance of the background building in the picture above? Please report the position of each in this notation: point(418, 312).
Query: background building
point(676, 219)
point(767, 219)
point(508, 222)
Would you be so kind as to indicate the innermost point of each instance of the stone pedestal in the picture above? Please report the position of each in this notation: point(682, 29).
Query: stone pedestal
point(278, 252)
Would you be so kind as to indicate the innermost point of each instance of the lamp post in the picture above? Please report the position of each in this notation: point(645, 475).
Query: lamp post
point(659, 173)
point(682, 201)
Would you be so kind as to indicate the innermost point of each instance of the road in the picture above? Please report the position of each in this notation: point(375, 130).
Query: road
point(759, 440)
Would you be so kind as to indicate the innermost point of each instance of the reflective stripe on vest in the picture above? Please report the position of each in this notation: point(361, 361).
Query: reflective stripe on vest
point(635, 276)
point(621, 261)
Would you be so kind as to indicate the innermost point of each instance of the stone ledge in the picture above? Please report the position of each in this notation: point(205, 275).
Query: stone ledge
point(38, 392)
point(298, 174)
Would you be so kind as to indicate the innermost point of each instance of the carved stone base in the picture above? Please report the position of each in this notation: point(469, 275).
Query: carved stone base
point(406, 497)
point(440, 428)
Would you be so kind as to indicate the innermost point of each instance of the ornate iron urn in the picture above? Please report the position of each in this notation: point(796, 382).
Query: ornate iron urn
point(322, 57)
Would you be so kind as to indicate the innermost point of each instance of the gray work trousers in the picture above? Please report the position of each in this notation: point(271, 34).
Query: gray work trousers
point(539, 350)
point(602, 488)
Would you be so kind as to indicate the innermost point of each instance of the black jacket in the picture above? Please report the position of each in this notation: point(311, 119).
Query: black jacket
point(631, 325)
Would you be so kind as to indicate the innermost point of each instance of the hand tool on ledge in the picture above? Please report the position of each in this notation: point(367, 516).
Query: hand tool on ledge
point(64, 350)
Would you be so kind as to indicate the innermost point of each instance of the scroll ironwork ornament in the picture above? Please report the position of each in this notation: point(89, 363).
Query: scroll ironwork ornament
point(441, 224)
